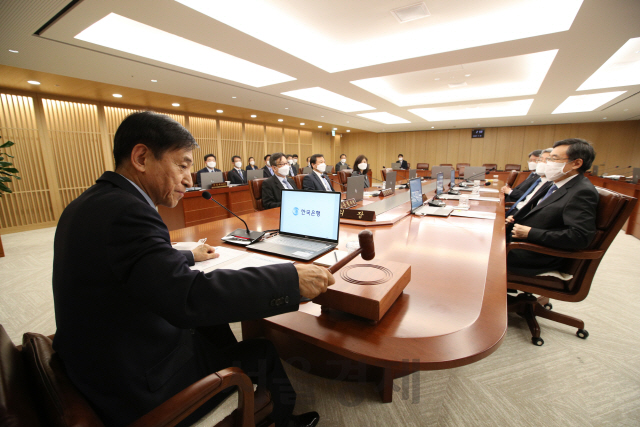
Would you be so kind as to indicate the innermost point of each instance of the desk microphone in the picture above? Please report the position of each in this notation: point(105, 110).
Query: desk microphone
point(614, 169)
point(329, 179)
point(243, 234)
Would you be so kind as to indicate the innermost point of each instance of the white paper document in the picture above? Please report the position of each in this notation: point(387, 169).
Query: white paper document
point(474, 214)
point(226, 254)
point(479, 198)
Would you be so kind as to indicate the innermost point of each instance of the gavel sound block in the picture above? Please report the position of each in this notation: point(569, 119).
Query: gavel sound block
point(365, 287)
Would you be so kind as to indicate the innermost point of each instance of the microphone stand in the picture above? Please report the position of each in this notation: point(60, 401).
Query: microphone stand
point(244, 235)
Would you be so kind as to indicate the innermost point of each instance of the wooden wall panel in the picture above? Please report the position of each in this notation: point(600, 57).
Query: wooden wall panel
point(231, 142)
point(453, 143)
point(291, 145)
point(205, 132)
point(255, 142)
point(275, 140)
point(306, 147)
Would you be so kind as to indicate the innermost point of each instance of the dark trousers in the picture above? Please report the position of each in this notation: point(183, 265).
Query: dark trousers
point(258, 359)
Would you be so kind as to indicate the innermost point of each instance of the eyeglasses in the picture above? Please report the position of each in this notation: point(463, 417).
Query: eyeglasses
point(556, 159)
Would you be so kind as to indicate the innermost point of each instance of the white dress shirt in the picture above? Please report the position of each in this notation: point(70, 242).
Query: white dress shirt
point(324, 181)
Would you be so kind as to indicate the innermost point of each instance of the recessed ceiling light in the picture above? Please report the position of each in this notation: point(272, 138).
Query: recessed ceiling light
point(219, 111)
point(286, 108)
point(274, 25)
point(348, 130)
point(253, 116)
point(301, 124)
point(321, 116)
point(467, 75)
point(433, 127)
point(335, 128)
point(505, 77)
point(437, 78)
point(622, 69)
point(478, 111)
point(326, 98)
point(126, 35)
point(604, 118)
point(411, 12)
point(175, 104)
point(626, 109)
point(233, 97)
point(319, 126)
point(384, 117)
point(33, 82)
point(154, 81)
point(13, 51)
point(582, 103)
point(280, 120)
point(531, 121)
point(347, 122)
point(117, 95)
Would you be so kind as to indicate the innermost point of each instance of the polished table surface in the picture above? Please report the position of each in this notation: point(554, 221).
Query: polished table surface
point(452, 313)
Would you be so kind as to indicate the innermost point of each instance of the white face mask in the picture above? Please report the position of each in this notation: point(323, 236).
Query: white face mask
point(283, 170)
point(238, 164)
point(362, 166)
point(322, 167)
point(532, 166)
point(541, 168)
point(290, 161)
point(295, 161)
point(251, 162)
point(268, 163)
point(554, 171)
point(211, 165)
point(399, 159)
point(343, 160)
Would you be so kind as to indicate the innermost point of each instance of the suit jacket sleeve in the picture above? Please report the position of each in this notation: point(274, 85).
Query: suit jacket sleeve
point(270, 197)
point(308, 183)
point(579, 217)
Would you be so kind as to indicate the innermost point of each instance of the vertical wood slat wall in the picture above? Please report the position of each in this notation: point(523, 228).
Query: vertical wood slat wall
point(62, 147)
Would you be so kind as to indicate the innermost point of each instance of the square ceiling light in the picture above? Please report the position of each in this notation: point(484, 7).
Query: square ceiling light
point(126, 35)
point(320, 96)
point(496, 78)
point(362, 34)
point(476, 111)
point(383, 117)
point(582, 103)
point(622, 69)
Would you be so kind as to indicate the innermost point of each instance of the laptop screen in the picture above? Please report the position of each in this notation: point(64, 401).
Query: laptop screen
point(314, 214)
point(453, 178)
point(415, 187)
point(439, 184)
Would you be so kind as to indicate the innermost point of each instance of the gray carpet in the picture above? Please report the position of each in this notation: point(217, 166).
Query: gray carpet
point(566, 382)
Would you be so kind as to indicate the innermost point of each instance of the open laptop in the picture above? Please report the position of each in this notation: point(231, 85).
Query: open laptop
point(307, 170)
point(445, 170)
point(206, 179)
point(329, 170)
point(309, 225)
point(417, 207)
point(636, 175)
point(413, 173)
point(475, 172)
point(390, 182)
point(256, 174)
point(355, 187)
point(396, 166)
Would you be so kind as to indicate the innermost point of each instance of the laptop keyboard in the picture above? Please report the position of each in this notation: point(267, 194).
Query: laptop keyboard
point(297, 243)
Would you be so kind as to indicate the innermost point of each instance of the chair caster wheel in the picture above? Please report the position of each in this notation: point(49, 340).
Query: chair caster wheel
point(582, 334)
point(537, 341)
point(548, 306)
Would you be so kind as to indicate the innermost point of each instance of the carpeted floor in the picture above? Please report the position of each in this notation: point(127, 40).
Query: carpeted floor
point(566, 382)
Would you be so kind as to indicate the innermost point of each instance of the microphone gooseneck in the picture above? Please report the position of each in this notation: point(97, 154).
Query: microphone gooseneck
point(206, 195)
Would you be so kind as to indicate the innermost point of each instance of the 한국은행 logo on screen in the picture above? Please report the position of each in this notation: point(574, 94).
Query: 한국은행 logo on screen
point(295, 211)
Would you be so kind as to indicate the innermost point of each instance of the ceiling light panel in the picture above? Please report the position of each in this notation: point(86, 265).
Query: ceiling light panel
point(622, 69)
point(497, 78)
point(326, 98)
point(477, 111)
point(582, 103)
point(126, 35)
point(411, 13)
point(369, 35)
point(386, 118)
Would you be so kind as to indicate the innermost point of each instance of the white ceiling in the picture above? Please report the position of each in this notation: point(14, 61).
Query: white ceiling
point(332, 43)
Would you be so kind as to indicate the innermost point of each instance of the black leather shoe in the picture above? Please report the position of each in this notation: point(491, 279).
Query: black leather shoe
point(310, 419)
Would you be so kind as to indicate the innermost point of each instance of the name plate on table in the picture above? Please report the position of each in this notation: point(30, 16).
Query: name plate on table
point(357, 214)
point(386, 192)
point(348, 203)
point(218, 184)
point(366, 288)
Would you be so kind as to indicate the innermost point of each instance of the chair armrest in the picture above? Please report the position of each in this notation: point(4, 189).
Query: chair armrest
point(584, 254)
point(191, 398)
point(509, 204)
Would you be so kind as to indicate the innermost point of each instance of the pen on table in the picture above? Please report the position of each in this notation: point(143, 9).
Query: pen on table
point(335, 253)
point(202, 241)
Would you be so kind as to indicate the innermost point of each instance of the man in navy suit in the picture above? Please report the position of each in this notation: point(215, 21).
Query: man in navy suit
point(511, 195)
point(210, 161)
point(135, 324)
point(272, 187)
point(403, 162)
point(267, 171)
point(563, 217)
point(237, 175)
point(317, 180)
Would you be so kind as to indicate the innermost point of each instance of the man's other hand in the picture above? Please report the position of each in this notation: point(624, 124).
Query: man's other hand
point(509, 220)
point(204, 252)
point(506, 190)
point(520, 231)
point(313, 280)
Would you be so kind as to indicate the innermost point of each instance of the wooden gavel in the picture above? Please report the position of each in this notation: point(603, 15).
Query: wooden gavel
point(367, 249)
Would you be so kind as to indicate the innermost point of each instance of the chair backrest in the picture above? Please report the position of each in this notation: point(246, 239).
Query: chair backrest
point(408, 165)
point(225, 175)
point(255, 189)
point(511, 178)
point(459, 165)
point(461, 169)
point(343, 175)
point(493, 166)
point(423, 166)
point(194, 179)
point(384, 174)
point(298, 179)
point(511, 167)
point(446, 164)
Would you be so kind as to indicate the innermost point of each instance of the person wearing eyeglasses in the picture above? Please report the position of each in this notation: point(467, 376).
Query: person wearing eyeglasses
point(272, 187)
point(342, 164)
point(361, 167)
point(513, 194)
point(267, 171)
point(317, 180)
point(563, 217)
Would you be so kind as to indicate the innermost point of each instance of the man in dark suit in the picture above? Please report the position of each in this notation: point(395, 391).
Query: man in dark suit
point(210, 161)
point(296, 168)
point(564, 217)
point(403, 162)
point(511, 195)
point(317, 180)
point(272, 187)
point(267, 171)
point(292, 172)
point(237, 175)
point(342, 164)
point(135, 324)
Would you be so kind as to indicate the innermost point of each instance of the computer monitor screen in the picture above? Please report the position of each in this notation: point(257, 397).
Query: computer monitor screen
point(453, 178)
point(439, 184)
point(314, 214)
point(415, 187)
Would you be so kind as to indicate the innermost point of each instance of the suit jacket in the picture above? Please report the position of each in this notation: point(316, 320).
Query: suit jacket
point(564, 220)
point(127, 303)
point(201, 171)
point(235, 178)
point(292, 171)
point(296, 168)
point(519, 190)
point(312, 182)
point(267, 172)
point(404, 165)
point(251, 168)
point(272, 191)
point(346, 166)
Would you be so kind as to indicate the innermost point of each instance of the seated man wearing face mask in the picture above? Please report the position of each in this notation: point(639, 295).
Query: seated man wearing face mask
point(317, 180)
point(563, 217)
point(540, 184)
point(292, 171)
point(272, 187)
point(361, 167)
point(237, 175)
point(513, 194)
point(342, 164)
point(403, 162)
point(294, 166)
point(210, 161)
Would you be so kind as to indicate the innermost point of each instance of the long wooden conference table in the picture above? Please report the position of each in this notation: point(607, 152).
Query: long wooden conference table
point(453, 312)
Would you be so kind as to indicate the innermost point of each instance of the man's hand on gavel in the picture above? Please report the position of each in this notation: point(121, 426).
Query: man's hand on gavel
point(313, 280)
